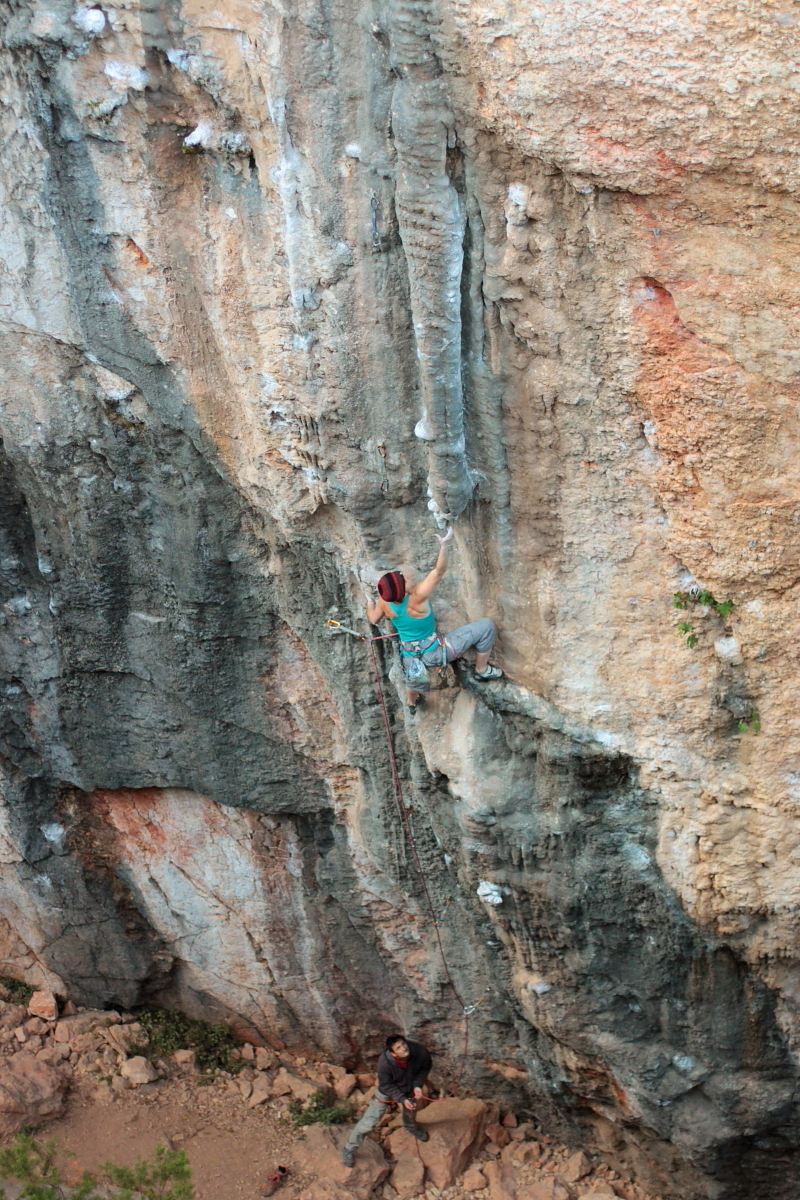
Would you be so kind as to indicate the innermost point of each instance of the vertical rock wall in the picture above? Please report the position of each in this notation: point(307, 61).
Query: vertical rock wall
point(280, 290)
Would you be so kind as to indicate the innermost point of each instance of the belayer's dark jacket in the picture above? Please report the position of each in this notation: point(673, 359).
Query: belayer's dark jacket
point(396, 1081)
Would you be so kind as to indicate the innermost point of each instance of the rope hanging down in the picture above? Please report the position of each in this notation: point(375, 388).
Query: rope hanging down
point(409, 833)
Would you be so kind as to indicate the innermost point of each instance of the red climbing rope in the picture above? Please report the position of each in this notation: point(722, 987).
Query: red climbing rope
point(398, 791)
point(409, 834)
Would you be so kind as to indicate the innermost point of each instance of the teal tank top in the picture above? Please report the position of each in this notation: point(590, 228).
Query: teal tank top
point(412, 629)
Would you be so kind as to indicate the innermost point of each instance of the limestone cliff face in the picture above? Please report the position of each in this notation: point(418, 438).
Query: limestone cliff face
point(282, 289)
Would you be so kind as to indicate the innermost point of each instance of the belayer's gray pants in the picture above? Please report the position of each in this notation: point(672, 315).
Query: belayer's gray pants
point(378, 1105)
point(480, 634)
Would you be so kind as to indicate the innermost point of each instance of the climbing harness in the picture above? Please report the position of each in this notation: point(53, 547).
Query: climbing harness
point(409, 834)
point(415, 669)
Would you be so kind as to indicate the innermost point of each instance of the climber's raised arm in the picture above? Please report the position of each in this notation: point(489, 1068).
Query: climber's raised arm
point(424, 589)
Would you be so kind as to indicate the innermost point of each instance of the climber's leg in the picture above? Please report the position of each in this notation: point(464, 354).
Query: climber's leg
point(479, 634)
point(374, 1111)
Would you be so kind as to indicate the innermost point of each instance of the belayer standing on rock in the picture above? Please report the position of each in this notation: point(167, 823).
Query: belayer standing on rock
point(411, 613)
point(402, 1070)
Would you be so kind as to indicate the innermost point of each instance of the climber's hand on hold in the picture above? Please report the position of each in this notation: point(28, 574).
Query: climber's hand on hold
point(447, 537)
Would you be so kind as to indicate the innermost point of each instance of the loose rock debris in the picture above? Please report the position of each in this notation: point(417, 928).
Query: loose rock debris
point(236, 1128)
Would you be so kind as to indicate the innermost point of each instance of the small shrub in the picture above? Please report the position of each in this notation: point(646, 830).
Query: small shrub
point(16, 992)
point(751, 722)
point(165, 1176)
point(705, 599)
point(319, 1111)
point(169, 1030)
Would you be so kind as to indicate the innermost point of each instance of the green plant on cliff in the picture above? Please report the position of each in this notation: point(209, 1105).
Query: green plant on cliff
point(750, 722)
point(168, 1030)
point(164, 1176)
point(14, 991)
point(319, 1111)
point(703, 599)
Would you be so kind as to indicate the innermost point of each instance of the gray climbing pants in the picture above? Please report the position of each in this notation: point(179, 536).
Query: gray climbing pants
point(378, 1105)
point(480, 634)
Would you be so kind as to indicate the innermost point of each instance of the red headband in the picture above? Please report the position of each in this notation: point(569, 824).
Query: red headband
point(392, 587)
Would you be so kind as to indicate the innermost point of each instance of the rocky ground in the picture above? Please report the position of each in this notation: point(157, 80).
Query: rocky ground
point(79, 1071)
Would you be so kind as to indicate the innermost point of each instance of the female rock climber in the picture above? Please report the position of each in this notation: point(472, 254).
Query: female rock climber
point(409, 609)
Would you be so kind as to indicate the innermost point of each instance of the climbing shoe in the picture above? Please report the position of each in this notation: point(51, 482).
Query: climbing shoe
point(491, 672)
point(347, 1157)
point(421, 1135)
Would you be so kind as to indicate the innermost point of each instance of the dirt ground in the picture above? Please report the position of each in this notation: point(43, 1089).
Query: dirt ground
point(231, 1149)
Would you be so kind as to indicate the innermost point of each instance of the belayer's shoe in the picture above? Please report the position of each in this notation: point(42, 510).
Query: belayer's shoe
point(347, 1157)
point(275, 1180)
point(421, 1135)
point(490, 672)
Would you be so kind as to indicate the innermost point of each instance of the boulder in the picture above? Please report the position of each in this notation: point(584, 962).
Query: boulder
point(455, 1130)
point(69, 1027)
point(185, 1059)
point(84, 1042)
point(578, 1165)
point(322, 1151)
point(265, 1060)
point(122, 1037)
point(498, 1134)
point(44, 1005)
point(365, 1081)
point(102, 1094)
point(11, 1015)
point(473, 1180)
point(344, 1085)
point(407, 1176)
point(547, 1189)
point(260, 1091)
point(502, 1181)
point(285, 1084)
point(523, 1152)
point(280, 1084)
point(138, 1070)
point(50, 1054)
point(30, 1092)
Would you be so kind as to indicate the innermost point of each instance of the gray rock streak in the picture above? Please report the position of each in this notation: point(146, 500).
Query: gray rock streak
point(431, 223)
